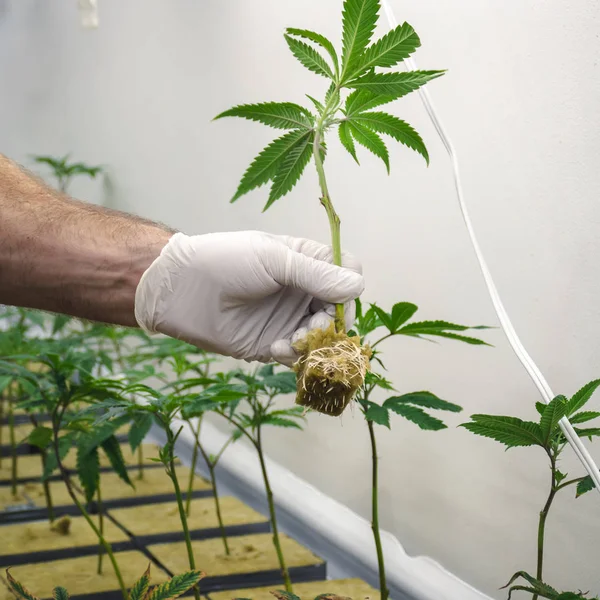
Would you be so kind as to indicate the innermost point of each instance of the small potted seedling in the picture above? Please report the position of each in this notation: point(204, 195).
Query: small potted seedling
point(412, 406)
point(547, 435)
point(65, 171)
point(259, 391)
point(140, 590)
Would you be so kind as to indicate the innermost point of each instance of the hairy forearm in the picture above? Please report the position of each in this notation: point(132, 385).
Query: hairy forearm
point(65, 256)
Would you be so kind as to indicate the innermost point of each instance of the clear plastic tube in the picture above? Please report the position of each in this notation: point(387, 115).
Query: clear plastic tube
point(532, 369)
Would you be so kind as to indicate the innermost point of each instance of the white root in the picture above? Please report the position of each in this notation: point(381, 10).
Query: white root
point(341, 362)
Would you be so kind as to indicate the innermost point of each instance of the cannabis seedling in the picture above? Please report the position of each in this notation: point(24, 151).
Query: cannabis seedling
point(546, 434)
point(248, 417)
point(332, 366)
point(411, 406)
point(65, 171)
point(140, 590)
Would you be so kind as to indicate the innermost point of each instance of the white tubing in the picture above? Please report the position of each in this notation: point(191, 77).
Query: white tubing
point(532, 369)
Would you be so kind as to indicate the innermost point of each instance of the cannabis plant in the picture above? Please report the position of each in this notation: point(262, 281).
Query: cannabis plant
point(412, 406)
point(65, 171)
point(249, 406)
point(65, 384)
point(140, 590)
point(332, 366)
point(547, 435)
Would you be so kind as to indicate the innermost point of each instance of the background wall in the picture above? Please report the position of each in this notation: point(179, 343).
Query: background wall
point(521, 103)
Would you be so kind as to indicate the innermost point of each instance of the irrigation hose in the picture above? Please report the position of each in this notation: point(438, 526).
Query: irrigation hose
point(532, 369)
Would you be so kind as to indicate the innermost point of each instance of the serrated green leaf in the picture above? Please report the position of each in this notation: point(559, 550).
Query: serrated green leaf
point(309, 57)
point(40, 437)
point(553, 413)
point(88, 471)
point(384, 317)
point(440, 329)
point(394, 84)
point(510, 431)
point(64, 445)
point(347, 140)
point(142, 423)
point(589, 432)
point(112, 449)
point(424, 399)
point(584, 416)
point(280, 422)
point(369, 322)
point(378, 414)
point(581, 397)
point(281, 115)
point(20, 590)
point(283, 595)
point(332, 95)
point(283, 382)
point(60, 593)
point(371, 141)
point(416, 415)
point(396, 128)
point(539, 586)
point(359, 18)
point(584, 486)
point(402, 312)
point(140, 587)
point(560, 476)
point(395, 46)
point(176, 586)
point(290, 170)
point(317, 104)
point(318, 39)
point(377, 380)
point(540, 407)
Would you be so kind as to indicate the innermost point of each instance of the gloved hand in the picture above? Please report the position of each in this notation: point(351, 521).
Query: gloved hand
point(244, 294)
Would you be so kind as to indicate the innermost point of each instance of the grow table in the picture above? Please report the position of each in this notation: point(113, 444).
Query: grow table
point(143, 527)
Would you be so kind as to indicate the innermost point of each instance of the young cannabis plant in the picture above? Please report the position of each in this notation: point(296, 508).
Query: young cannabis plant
point(169, 590)
point(332, 365)
point(541, 589)
point(546, 434)
point(65, 171)
point(248, 406)
point(412, 406)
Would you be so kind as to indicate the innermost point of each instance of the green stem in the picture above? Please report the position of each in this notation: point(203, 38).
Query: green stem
point(383, 589)
point(334, 220)
point(84, 513)
point(47, 494)
point(188, 500)
point(13, 446)
point(1, 424)
point(100, 527)
point(140, 462)
point(542, 522)
point(213, 481)
point(284, 570)
point(186, 532)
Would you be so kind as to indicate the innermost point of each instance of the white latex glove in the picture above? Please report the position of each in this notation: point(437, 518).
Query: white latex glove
point(244, 294)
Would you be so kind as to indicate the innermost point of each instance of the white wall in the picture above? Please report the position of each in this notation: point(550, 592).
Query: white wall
point(521, 102)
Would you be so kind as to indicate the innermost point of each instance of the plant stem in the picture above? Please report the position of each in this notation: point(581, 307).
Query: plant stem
point(334, 220)
point(1, 424)
point(47, 494)
point(13, 446)
point(140, 462)
point(100, 526)
point(383, 589)
point(86, 516)
point(284, 571)
point(184, 524)
point(190, 489)
point(213, 481)
point(542, 521)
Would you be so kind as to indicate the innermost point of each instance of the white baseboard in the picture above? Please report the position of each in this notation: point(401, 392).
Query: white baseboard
point(330, 529)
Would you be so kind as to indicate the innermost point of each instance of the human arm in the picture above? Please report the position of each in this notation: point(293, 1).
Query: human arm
point(242, 294)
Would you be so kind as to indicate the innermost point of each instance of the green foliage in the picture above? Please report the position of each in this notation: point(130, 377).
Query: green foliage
point(541, 589)
point(112, 449)
point(580, 398)
point(88, 471)
point(353, 72)
point(173, 588)
point(139, 429)
point(510, 431)
point(585, 485)
point(65, 171)
point(40, 437)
